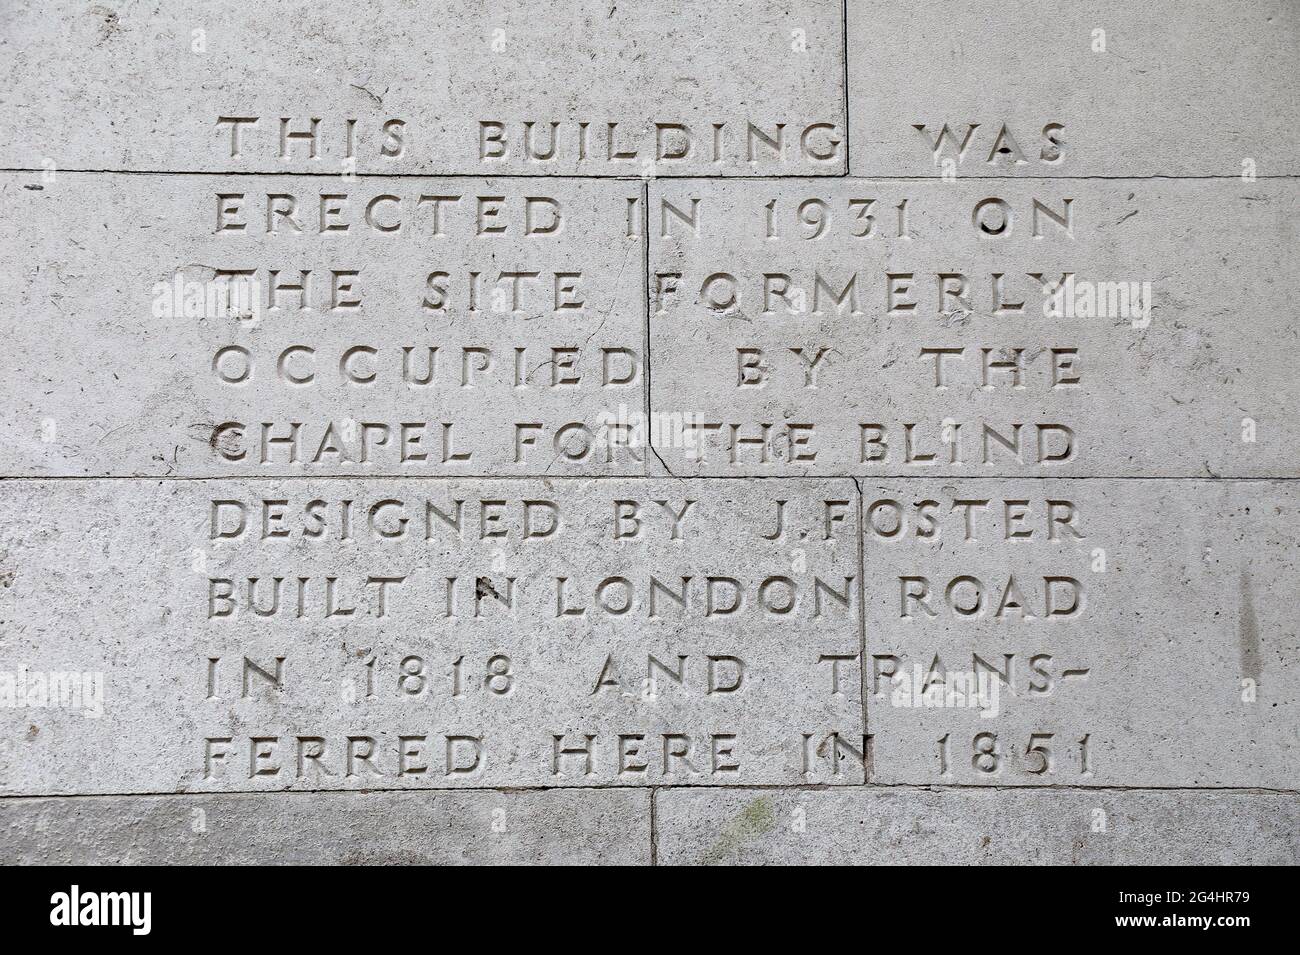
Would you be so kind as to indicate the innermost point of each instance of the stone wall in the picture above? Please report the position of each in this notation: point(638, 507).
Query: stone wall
point(649, 432)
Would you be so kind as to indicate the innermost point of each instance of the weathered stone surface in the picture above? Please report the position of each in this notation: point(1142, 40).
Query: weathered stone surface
point(121, 360)
point(1096, 88)
point(1124, 633)
point(907, 826)
point(477, 827)
point(120, 87)
point(376, 417)
point(803, 327)
point(389, 675)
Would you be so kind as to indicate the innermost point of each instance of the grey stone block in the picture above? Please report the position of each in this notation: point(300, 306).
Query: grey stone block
point(905, 826)
point(339, 634)
point(588, 88)
point(1094, 88)
point(809, 327)
point(476, 827)
point(1119, 633)
point(499, 328)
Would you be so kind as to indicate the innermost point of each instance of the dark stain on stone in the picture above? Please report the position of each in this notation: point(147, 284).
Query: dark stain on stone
point(1248, 631)
point(756, 819)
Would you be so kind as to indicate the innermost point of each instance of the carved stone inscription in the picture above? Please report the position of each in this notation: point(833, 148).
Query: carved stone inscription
point(302, 325)
point(971, 328)
point(744, 431)
point(427, 634)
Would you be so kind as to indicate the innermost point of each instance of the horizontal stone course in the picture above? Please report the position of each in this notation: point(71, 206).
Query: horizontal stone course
point(677, 88)
point(346, 634)
point(473, 827)
point(1099, 88)
point(905, 826)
